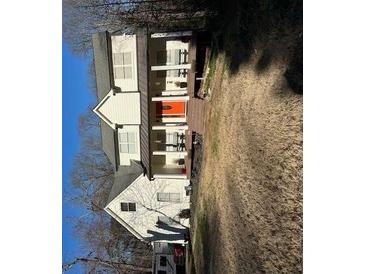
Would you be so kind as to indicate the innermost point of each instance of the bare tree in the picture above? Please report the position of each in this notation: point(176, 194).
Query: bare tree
point(113, 249)
point(99, 264)
point(84, 17)
point(110, 247)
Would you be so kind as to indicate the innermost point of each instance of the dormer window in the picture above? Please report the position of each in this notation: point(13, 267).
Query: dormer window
point(127, 142)
point(122, 63)
point(128, 206)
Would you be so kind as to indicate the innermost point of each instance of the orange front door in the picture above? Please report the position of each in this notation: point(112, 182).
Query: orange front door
point(166, 109)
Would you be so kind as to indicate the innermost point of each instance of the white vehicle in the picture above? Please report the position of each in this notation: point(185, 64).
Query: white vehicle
point(168, 258)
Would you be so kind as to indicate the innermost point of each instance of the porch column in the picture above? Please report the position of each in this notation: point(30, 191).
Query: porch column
point(171, 67)
point(177, 154)
point(166, 127)
point(170, 176)
point(170, 98)
point(174, 92)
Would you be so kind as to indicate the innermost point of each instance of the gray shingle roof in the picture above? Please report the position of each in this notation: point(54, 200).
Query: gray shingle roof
point(123, 178)
point(104, 82)
point(103, 64)
point(108, 142)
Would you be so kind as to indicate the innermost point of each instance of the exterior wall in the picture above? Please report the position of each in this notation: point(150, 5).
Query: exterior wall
point(164, 249)
point(126, 43)
point(144, 220)
point(124, 158)
point(122, 108)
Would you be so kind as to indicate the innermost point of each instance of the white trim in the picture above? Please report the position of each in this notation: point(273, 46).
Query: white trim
point(174, 92)
point(178, 154)
point(164, 127)
point(170, 98)
point(109, 95)
point(136, 62)
point(174, 119)
point(171, 34)
point(97, 112)
point(170, 176)
point(170, 67)
point(118, 218)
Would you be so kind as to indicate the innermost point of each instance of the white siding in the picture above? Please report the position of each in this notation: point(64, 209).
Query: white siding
point(124, 158)
point(122, 108)
point(144, 193)
point(164, 249)
point(126, 44)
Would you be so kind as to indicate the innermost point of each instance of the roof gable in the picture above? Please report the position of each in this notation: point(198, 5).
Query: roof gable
point(119, 108)
point(143, 222)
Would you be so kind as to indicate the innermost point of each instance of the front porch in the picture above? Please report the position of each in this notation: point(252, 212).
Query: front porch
point(172, 108)
point(170, 63)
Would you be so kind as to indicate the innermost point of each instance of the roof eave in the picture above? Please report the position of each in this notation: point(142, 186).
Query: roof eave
point(123, 223)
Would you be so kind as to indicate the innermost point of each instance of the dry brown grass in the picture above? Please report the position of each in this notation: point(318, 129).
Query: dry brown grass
point(248, 216)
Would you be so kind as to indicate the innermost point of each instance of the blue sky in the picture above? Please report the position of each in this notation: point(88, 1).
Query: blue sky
point(76, 97)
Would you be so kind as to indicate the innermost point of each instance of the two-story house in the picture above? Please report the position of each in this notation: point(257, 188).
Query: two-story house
point(142, 87)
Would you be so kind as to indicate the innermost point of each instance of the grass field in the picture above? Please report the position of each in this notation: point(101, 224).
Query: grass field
point(247, 205)
point(248, 211)
point(248, 216)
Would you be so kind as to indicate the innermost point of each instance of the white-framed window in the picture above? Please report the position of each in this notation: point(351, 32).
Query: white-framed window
point(168, 197)
point(128, 206)
point(122, 65)
point(127, 142)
